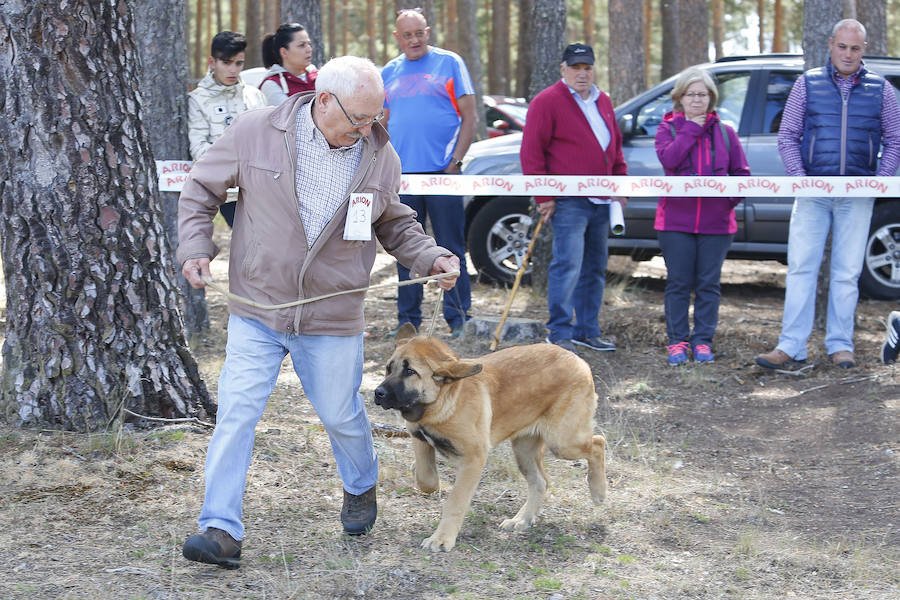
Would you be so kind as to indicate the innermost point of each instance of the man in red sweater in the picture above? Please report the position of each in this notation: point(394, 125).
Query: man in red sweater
point(572, 130)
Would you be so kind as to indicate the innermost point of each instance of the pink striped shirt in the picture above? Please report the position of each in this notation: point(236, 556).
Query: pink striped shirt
point(791, 129)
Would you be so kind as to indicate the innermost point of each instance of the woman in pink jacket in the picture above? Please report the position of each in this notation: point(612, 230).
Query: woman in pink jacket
point(695, 233)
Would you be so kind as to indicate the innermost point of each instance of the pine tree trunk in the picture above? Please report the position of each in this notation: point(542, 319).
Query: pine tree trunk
point(161, 39)
point(671, 38)
point(471, 54)
point(309, 14)
point(873, 15)
point(718, 27)
point(626, 69)
point(549, 39)
point(693, 19)
point(525, 53)
point(778, 43)
point(370, 29)
point(819, 16)
point(498, 64)
point(254, 36)
point(93, 319)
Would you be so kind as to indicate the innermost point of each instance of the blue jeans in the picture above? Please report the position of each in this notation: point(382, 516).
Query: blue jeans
point(330, 369)
point(693, 263)
point(576, 277)
point(448, 222)
point(811, 219)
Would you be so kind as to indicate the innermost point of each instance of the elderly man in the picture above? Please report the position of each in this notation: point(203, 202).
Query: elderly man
point(572, 130)
point(430, 107)
point(834, 122)
point(317, 179)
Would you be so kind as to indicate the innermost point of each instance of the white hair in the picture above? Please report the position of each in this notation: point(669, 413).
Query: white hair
point(344, 75)
point(849, 24)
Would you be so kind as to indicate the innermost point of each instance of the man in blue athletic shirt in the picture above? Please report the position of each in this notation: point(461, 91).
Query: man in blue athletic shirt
point(430, 114)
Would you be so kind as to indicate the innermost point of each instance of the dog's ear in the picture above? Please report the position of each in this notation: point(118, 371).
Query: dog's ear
point(457, 369)
point(406, 332)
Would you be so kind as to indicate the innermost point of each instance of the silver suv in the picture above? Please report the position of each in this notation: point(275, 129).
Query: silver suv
point(752, 94)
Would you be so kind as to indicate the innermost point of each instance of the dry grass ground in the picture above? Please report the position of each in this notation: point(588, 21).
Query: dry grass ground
point(725, 482)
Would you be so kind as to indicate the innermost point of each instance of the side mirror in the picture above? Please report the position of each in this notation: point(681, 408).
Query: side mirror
point(626, 125)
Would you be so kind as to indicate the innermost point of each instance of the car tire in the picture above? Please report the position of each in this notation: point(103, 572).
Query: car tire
point(880, 278)
point(498, 239)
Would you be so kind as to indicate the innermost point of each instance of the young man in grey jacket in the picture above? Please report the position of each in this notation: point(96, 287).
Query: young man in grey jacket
point(220, 97)
point(318, 184)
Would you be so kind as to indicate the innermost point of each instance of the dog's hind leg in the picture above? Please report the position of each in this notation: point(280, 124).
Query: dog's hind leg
point(529, 451)
point(583, 444)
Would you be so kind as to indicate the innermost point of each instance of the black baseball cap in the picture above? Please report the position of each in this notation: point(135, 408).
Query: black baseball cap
point(578, 53)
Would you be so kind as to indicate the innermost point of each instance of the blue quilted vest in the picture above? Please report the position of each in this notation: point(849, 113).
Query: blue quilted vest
point(842, 138)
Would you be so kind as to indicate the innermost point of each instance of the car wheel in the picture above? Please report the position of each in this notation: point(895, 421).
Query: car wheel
point(880, 278)
point(498, 237)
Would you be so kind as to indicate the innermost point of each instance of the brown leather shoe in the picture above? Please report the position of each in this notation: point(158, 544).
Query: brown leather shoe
point(358, 512)
point(843, 359)
point(777, 359)
point(215, 547)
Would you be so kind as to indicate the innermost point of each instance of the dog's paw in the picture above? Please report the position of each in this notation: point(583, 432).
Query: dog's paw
point(438, 543)
point(518, 523)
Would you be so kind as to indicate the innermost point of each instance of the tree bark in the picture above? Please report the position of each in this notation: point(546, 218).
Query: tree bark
point(549, 39)
point(199, 66)
point(587, 21)
point(778, 41)
point(648, 18)
point(387, 40)
point(761, 15)
point(309, 14)
point(370, 29)
point(873, 15)
point(470, 52)
point(234, 13)
point(718, 27)
point(693, 32)
point(819, 16)
point(253, 33)
point(451, 31)
point(626, 69)
point(525, 54)
point(332, 28)
point(498, 64)
point(160, 38)
point(93, 320)
point(671, 38)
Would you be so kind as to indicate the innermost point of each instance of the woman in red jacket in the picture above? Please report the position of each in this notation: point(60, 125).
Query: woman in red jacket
point(695, 233)
point(287, 54)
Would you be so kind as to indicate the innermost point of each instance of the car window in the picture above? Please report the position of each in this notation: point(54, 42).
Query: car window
point(777, 90)
point(732, 94)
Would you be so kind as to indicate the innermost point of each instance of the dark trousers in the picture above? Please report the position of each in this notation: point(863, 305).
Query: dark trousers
point(693, 263)
point(448, 223)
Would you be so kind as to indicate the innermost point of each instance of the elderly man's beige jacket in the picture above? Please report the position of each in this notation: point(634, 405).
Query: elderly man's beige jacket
point(269, 260)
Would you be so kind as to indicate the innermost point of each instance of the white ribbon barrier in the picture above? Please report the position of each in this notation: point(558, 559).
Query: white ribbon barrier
point(173, 174)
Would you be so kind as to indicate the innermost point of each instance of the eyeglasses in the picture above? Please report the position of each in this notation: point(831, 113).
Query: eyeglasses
point(355, 124)
point(700, 95)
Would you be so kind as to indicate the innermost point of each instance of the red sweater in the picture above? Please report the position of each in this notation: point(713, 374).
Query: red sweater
point(558, 140)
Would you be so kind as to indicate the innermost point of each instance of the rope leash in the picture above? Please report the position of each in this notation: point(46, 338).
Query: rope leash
point(389, 284)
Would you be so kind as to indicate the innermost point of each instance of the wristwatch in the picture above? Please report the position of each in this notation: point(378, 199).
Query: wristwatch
point(458, 164)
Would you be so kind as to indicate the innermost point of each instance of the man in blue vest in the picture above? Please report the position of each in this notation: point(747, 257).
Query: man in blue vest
point(835, 120)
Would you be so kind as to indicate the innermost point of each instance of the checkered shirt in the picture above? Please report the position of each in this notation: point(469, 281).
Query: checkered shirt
point(323, 174)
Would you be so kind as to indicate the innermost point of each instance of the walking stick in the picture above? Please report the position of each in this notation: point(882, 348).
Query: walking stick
point(512, 293)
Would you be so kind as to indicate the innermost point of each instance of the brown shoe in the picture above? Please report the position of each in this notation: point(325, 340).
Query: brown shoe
point(777, 359)
point(215, 547)
point(358, 512)
point(843, 359)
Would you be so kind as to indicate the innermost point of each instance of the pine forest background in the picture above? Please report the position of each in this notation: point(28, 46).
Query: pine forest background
point(363, 28)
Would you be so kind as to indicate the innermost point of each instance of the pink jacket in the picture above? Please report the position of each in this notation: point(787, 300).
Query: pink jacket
point(703, 151)
point(269, 261)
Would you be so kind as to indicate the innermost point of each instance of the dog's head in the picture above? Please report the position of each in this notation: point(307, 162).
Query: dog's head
point(416, 371)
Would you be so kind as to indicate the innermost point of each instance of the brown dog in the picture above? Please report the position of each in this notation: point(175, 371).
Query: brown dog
point(533, 395)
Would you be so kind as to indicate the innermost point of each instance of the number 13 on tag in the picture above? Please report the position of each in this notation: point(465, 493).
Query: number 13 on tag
point(359, 217)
